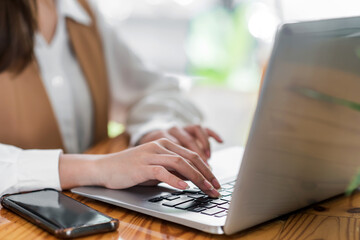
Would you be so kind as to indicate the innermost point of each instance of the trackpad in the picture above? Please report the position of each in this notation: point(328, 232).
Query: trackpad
point(226, 163)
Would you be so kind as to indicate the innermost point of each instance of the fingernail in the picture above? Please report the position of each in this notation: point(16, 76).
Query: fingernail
point(216, 183)
point(208, 185)
point(208, 153)
point(215, 193)
point(183, 185)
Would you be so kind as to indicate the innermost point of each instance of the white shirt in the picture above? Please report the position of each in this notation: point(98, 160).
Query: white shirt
point(149, 100)
point(66, 86)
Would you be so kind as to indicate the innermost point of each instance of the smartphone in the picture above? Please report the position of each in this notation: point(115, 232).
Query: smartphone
point(59, 214)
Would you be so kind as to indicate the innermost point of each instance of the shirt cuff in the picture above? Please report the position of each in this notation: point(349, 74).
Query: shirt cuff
point(38, 169)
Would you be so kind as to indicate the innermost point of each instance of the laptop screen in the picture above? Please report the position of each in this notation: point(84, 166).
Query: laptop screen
point(304, 145)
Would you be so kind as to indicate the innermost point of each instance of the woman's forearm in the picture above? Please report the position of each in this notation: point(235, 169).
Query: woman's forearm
point(78, 170)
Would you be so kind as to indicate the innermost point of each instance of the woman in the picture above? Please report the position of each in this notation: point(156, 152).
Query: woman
point(61, 66)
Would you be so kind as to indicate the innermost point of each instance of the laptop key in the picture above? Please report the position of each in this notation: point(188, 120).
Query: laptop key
point(196, 196)
point(177, 193)
point(156, 199)
point(221, 214)
point(212, 211)
point(203, 199)
point(225, 193)
point(196, 209)
point(227, 198)
point(191, 190)
point(171, 197)
point(207, 205)
point(186, 205)
point(219, 201)
point(224, 206)
point(227, 186)
point(177, 202)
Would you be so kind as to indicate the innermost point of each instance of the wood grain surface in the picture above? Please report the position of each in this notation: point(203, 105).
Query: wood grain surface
point(338, 218)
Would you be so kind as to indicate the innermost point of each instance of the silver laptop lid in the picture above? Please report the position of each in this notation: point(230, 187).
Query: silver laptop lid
point(304, 144)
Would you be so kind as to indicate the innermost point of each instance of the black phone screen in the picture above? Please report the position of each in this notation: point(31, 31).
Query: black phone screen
point(59, 209)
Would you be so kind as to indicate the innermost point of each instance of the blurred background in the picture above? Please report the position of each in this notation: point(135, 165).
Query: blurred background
point(222, 45)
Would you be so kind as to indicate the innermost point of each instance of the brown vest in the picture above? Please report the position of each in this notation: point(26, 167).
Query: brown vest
point(27, 119)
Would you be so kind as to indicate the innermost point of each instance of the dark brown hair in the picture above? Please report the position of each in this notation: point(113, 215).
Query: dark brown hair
point(17, 29)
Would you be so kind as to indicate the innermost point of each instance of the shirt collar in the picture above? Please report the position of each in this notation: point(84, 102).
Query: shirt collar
point(72, 9)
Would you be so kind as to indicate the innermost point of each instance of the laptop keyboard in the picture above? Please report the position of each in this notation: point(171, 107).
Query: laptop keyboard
point(195, 200)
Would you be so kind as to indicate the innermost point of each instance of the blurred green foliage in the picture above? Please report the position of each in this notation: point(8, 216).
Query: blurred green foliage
point(354, 184)
point(220, 47)
point(311, 93)
point(115, 129)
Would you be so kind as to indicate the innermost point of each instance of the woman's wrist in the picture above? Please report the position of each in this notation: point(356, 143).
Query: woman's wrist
point(79, 170)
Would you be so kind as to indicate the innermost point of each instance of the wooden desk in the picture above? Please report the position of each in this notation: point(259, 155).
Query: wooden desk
point(338, 218)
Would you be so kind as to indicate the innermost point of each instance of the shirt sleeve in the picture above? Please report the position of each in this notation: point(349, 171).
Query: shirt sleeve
point(28, 170)
point(149, 100)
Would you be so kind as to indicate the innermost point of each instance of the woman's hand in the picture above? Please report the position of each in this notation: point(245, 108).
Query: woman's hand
point(193, 137)
point(160, 160)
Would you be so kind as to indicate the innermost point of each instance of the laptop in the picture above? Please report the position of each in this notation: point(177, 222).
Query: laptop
point(303, 146)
